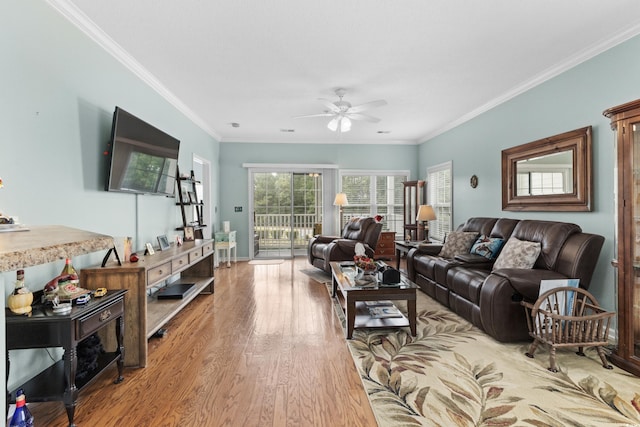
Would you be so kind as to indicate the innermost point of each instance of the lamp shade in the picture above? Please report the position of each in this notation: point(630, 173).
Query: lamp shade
point(341, 200)
point(425, 213)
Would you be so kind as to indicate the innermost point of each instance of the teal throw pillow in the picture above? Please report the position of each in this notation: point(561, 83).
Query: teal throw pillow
point(487, 247)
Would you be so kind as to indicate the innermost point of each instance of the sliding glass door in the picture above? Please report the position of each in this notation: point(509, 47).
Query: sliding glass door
point(287, 211)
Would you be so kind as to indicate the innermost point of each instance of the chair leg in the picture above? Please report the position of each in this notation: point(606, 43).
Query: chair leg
point(580, 351)
point(532, 348)
point(605, 363)
point(552, 359)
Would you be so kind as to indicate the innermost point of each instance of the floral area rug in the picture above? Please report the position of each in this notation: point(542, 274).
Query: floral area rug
point(452, 374)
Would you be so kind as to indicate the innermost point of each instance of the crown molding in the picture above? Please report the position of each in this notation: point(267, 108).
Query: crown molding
point(88, 27)
point(317, 141)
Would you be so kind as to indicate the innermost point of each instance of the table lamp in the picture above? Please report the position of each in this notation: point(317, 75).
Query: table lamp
point(425, 214)
point(341, 201)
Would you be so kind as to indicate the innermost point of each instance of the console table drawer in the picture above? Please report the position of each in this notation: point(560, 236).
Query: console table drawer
point(207, 248)
point(195, 255)
point(179, 263)
point(92, 323)
point(158, 273)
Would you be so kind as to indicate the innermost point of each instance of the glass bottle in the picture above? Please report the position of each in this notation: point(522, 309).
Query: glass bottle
point(22, 416)
point(70, 270)
point(19, 302)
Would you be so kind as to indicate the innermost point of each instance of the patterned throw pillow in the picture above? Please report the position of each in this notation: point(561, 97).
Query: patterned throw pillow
point(457, 243)
point(487, 247)
point(518, 254)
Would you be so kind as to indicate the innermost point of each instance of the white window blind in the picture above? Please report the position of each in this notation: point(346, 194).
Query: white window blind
point(439, 196)
point(375, 193)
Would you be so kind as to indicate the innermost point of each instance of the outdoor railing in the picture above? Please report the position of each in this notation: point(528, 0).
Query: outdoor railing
point(276, 231)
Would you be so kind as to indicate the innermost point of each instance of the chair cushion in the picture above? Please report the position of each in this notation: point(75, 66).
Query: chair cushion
point(488, 247)
point(458, 242)
point(518, 254)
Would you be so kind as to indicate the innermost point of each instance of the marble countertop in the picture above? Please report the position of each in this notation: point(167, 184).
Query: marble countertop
point(47, 243)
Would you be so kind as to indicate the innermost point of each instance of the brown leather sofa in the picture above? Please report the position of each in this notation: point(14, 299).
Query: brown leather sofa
point(324, 249)
point(490, 299)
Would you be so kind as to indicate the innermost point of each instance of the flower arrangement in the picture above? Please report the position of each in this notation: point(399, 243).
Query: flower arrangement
point(378, 218)
point(364, 262)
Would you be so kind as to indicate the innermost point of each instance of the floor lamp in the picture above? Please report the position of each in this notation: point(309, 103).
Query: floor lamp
point(425, 214)
point(341, 201)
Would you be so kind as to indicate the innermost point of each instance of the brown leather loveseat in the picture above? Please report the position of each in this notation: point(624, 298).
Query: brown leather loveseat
point(489, 297)
point(324, 249)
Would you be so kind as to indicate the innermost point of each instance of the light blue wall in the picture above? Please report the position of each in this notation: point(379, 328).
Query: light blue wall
point(572, 100)
point(234, 177)
point(59, 91)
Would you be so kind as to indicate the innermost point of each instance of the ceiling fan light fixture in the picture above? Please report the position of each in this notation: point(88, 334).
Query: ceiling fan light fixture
point(333, 124)
point(345, 124)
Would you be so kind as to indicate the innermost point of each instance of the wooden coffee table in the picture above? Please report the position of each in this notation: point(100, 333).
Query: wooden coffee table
point(356, 311)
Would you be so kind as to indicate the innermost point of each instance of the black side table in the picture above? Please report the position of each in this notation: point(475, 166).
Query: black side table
point(44, 329)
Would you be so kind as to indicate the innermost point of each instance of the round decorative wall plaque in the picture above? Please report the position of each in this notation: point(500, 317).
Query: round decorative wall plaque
point(473, 181)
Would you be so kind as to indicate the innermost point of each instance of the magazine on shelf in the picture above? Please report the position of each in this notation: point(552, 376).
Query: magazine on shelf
point(384, 312)
point(378, 303)
point(564, 307)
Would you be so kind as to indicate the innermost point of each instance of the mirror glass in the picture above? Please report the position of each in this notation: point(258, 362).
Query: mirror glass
point(548, 174)
point(551, 174)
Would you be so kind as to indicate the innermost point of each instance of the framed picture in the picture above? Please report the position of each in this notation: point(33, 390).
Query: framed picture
point(185, 194)
point(193, 199)
point(164, 242)
point(149, 247)
point(178, 240)
point(189, 233)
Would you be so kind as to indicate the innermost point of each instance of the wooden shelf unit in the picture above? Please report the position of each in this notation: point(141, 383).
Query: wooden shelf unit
point(625, 121)
point(414, 196)
point(193, 262)
point(186, 204)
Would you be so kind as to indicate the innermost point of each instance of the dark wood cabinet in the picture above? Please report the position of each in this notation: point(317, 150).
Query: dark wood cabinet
point(385, 248)
point(45, 329)
point(413, 197)
point(625, 121)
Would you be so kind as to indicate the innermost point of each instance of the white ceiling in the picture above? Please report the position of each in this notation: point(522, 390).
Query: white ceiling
point(259, 63)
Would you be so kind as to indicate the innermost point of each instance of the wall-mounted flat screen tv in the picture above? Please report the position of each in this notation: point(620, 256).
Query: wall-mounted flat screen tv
point(142, 158)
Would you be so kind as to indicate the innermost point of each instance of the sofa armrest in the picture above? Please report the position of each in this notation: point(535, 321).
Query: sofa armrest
point(526, 282)
point(428, 248)
point(325, 239)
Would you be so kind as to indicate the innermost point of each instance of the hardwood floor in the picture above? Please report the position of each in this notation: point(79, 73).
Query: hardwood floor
point(265, 350)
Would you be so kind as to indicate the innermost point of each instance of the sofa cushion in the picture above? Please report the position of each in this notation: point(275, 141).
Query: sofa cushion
point(551, 234)
point(458, 242)
point(488, 247)
point(518, 254)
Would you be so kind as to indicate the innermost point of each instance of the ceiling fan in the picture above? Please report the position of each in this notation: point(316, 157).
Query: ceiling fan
point(342, 112)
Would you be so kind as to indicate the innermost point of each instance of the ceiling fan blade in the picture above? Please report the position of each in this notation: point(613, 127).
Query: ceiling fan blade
point(365, 117)
point(330, 105)
point(367, 106)
point(315, 115)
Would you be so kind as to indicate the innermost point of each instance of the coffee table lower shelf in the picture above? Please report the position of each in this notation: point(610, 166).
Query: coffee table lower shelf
point(365, 320)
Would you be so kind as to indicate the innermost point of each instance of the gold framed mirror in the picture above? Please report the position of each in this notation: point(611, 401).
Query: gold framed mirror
point(551, 174)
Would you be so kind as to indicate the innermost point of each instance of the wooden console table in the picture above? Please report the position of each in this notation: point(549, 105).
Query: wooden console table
point(43, 329)
point(145, 314)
